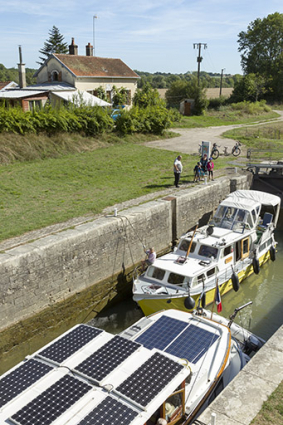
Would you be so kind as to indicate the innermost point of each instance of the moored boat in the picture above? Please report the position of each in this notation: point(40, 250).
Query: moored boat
point(236, 243)
point(170, 365)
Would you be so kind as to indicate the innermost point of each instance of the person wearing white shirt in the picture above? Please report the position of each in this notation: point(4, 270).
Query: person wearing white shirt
point(178, 167)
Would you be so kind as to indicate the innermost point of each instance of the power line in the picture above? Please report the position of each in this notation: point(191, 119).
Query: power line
point(199, 58)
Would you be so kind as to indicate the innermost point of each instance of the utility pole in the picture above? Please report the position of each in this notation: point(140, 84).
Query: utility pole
point(199, 58)
point(221, 79)
point(93, 32)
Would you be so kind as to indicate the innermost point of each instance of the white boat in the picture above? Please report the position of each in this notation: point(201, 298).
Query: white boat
point(235, 244)
point(170, 365)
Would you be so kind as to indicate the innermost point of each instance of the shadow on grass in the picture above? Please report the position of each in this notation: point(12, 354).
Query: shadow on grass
point(156, 186)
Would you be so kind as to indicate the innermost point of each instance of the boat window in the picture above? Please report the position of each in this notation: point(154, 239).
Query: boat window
point(228, 250)
point(155, 273)
point(208, 251)
point(176, 279)
point(184, 245)
point(197, 280)
point(245, 246)
point(210, 272)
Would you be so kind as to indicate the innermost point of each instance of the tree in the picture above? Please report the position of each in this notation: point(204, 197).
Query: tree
point(54, 44)
point(147, 96)
point(262, 50)
point(251, 88)
point(188, 90)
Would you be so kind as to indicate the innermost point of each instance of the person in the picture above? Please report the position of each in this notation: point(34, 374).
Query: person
point(210, 166)
point(178, 167)
point(203, 164)
point(151, 257)
point(197, 172)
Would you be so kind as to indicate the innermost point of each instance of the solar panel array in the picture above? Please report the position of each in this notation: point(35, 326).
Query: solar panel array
point(149, 379)
point(110, 412)
point(21, 378)
point(192, 344)
point(107, 358)
point(64, 347)
point(161, 333)
point(52, 403)
point(178, 338)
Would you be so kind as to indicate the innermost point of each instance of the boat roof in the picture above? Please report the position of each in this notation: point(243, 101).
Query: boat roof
point(89, 374)
point(245, 196)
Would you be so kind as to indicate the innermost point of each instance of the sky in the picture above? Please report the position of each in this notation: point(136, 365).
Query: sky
point(148, 35)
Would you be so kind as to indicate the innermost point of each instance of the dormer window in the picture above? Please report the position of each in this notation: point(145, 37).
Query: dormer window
point(54, 76)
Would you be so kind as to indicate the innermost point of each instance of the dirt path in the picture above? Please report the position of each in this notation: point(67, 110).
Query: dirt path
point(190, 138)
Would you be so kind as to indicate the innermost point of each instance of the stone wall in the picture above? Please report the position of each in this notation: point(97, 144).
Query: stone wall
point(37, 275)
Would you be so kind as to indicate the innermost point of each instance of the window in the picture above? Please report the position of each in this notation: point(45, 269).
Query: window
point(211, 272)
point(208, 251)
point(245, 247)
point(228, 250)
point(175, 279)
point(54, 76)
point(34, 104)
point(155, 273)
point(184, 245)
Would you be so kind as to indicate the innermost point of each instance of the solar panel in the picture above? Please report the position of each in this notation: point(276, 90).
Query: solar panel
point(64, 347)
point(161, 333)
point(51, 403)
point(149, 379)
point(110, 412)
point(192, 344)
point(21, 378)
point(107, 358)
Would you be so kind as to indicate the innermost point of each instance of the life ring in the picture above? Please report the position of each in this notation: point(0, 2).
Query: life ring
point(235, 282)
point(256, 265)
point(272, 253)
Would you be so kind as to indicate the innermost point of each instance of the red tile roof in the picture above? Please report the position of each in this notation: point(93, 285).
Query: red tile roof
point(93, 66)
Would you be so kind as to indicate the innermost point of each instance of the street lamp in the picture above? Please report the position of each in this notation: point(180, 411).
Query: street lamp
point(94, 18)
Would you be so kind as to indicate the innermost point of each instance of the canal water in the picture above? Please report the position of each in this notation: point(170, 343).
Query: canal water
point(263, 317)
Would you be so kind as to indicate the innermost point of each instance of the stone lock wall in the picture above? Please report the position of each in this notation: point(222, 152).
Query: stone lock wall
point(50, 270)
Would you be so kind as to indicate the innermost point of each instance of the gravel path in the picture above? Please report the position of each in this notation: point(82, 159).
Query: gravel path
point(190, 138)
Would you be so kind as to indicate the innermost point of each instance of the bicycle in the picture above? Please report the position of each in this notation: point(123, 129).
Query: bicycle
point(236, 150)
point(214, 151)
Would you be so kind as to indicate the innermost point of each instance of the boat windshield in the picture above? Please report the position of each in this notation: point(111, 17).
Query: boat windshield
point(184, 245)
point(208, 251)
point(231, 218)
point(155, 273)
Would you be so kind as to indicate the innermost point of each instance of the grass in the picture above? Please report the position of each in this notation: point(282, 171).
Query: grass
point(47, 180)
point(225, 116)
point(272, 410)
point(265, 141)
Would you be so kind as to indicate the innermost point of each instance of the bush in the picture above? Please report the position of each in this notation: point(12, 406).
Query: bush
point(217, 102)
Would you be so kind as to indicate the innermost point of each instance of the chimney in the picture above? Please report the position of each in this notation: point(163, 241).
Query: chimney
point(89, 50)
point(22, 71)
point(73, 48)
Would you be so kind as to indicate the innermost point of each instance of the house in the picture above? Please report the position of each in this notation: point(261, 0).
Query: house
point(5, 85)
point(88, 73)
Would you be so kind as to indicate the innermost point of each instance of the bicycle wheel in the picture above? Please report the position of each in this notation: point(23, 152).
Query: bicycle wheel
point(215, 154)
point(236, 151)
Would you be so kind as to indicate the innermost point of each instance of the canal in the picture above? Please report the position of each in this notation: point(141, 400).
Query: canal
point(263, 317)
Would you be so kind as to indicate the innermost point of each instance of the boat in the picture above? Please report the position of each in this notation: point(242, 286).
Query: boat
point(170, 365)
point(234, 244)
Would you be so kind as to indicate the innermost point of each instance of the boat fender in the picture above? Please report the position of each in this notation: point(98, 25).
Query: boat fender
point(235, 282)
point(203, 300)
point(189, 303)
point(272, 253)
point(256, 265)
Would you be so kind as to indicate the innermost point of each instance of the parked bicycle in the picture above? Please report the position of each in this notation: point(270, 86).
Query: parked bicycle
point(236, 150)
point(214, 151)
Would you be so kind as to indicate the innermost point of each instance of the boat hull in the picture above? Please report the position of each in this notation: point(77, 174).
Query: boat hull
point(150, 304)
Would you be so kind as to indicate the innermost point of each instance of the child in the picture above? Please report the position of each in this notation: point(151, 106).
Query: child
point(197, 172)
point(210, 166)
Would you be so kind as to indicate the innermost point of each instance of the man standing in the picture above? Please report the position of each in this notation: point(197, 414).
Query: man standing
point(177, 169)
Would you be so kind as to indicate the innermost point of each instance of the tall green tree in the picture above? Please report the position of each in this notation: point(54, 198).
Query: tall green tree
point(261, 48)
point(54, 44)
point(188, 90)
